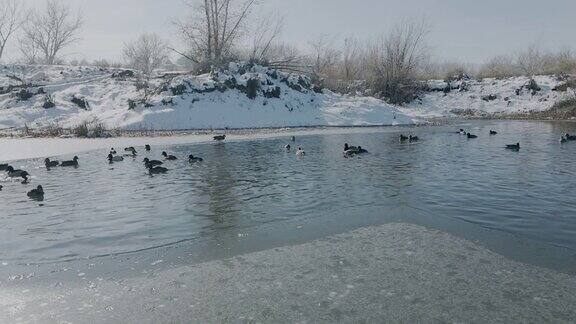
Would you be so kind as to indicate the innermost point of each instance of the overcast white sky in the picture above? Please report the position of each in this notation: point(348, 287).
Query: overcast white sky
point(463, 30)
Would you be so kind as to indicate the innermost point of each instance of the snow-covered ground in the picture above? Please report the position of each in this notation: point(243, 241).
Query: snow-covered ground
point(243, 96)
point(487, 97)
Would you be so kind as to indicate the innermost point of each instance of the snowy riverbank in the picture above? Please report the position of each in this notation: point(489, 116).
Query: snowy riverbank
point(243, 96)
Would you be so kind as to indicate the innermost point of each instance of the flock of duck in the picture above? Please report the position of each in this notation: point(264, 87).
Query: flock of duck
point(157, 166)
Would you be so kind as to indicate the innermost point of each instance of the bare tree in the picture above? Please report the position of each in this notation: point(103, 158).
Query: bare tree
point(264, 37)
point(147, 53)
point(531, 60)
point(324, 59)
point(393, 61)
point(11, 18)
point(351, 60)
point(212, 29)
point(51, 31)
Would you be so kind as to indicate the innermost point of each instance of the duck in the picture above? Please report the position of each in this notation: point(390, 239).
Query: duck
point(570, 137)
point(113, 151)
point(131, 150)
point(36, 194)
point(1, 186)
point(3, 167)
point(462, 132)
point(148, 162)
point(219, 138)
point(71, 163)
point(293, 138)
point(471, 135)
point(300, 152)
point(413, 138)
point(50, 164)
point(288, 147)
point(169, 157)
point(147, 148)
point(13, 173)
point(563, 139)
point(112, 158)
point(349, 148)
point(513, 146)
point(492, 132)
point(156, 169)
point(193, 159)
point(403, 137)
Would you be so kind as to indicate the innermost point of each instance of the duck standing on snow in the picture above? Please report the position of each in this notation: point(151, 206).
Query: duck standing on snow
point(219, 138)
point(471, 135)
point(300, 152)
point(514, 147)
point(36, 194)
point(169, 157)
point(72, 163)
point(112, 158)
point(50, 164)
point(194, 159)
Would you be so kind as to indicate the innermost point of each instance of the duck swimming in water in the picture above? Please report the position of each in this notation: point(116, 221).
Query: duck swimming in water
point(156, 169)
point(169, 157)
point(413, 138)
point(50, 164)
point(3, 167)
point(471, 135)
point(113, 151)
point(570, 137)
point(293, 138)
point(403, 138)
point(219, 138)
point(563, 139)
point(515, 147)
point(36, 194)
point(194, 159)
point(147, 147)
point(153, 163)
point(462, 132)
point(13, 173)
point(112, 158)
point(72, 163)
point(288, 147)
point(493, 132)
point(300, 152)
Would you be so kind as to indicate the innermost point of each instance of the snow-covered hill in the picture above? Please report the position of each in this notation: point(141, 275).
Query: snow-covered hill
point(243, 96)
point(488, 97)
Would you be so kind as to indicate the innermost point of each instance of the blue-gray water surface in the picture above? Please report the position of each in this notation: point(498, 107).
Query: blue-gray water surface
point(101, 209)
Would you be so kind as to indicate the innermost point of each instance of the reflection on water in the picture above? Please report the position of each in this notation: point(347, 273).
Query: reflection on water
point(101, 208)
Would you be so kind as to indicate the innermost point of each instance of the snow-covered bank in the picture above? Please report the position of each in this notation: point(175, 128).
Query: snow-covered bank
point(488, 97)
point(243, 96)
